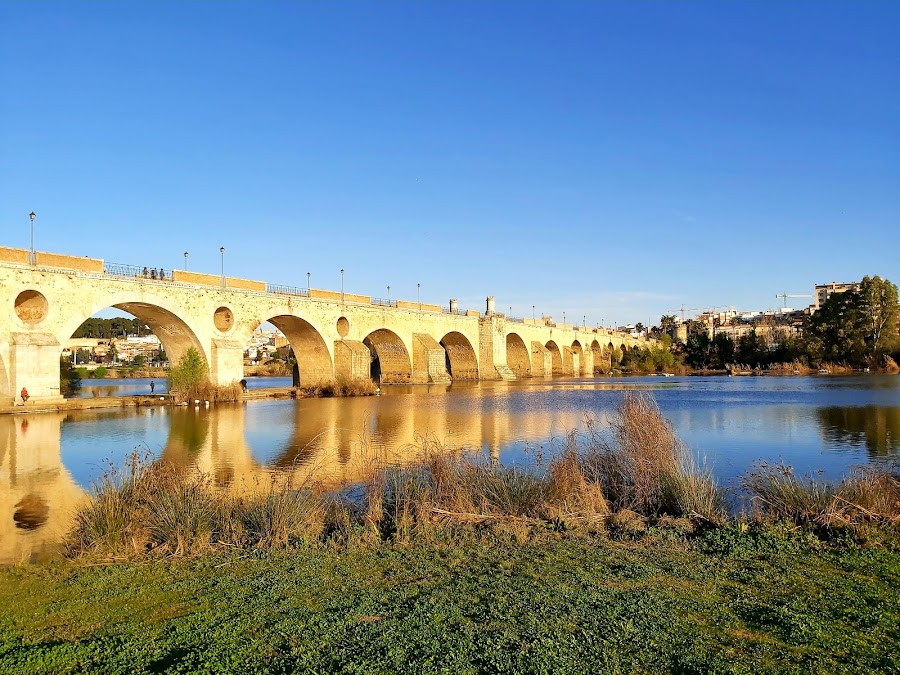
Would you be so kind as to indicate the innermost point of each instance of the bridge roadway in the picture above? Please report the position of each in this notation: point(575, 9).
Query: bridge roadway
point(333, 334)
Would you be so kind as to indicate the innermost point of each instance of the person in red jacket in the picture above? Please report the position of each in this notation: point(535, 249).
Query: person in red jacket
point(24, 395)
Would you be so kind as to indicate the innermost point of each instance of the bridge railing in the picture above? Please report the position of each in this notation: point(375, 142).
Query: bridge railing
point(120, 270)
point(381, 302)
point(287, 290)
point(517, 319)
point(460, 312)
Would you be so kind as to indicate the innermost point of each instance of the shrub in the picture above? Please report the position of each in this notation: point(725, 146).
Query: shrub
point(189, 378)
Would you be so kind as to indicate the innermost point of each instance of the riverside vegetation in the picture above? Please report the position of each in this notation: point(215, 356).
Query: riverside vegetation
point(619, 554)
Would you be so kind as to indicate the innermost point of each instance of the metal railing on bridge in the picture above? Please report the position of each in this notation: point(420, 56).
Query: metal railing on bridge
point(460, 312)
point(381, 302)
point(120, 270)
point(287, 290)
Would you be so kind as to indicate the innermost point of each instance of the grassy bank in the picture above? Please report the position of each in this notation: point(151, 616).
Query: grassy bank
point(729, 602)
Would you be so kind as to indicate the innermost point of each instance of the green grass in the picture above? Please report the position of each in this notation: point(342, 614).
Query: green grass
point(758, 601)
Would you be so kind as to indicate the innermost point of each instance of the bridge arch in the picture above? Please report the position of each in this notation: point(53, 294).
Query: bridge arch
point(462, 364)
point(599, 360)
point(518, 357)
point(313, 358)
point(390, 359)
point(577, 363)
point(556, 357)
point(163, 319)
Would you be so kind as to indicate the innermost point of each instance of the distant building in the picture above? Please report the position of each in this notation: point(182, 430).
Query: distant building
point(824, 291)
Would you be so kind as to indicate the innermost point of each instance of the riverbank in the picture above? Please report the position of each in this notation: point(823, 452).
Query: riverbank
point(728, 602)
point(137, 401)
point(140, 401)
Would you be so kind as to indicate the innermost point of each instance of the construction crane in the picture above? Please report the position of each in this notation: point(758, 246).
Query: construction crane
point(785, 296)
point(683, 310)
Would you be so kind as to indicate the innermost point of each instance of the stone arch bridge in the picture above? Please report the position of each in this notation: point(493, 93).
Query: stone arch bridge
point(333, 334)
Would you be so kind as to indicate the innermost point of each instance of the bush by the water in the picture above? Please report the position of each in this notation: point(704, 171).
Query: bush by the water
point(189, 381)
point(338, 388)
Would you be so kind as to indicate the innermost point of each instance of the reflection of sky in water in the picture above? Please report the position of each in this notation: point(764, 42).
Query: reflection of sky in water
point(125, 386)
point(92, 440)
point(810, 423)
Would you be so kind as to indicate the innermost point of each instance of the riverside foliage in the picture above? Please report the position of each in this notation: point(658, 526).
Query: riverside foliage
point(636, 476)
point(189, 381)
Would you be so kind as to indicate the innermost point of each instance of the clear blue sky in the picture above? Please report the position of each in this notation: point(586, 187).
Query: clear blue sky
point(613, 159)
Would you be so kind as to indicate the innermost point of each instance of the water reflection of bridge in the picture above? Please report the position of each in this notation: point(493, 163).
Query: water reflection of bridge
point(338, 440)
point(37, 494)
point(335, 441)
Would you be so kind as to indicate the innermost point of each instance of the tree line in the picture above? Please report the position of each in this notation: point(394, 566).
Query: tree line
point(119, 326)
point(857, 328)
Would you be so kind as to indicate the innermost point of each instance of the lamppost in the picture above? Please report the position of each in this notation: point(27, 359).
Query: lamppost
point(532, 312)
point(307, 284)
point(510, 311)
point(342, 284)
point(185, 260)
point(419, 295)
point(389, 296)
point(564, 318)
point(31, 258)
point(583, 320)
point(222, 252)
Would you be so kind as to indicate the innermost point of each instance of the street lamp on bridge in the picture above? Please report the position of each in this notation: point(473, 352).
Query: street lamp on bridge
point(389, 295)
point(31, 258)
point(222, 252)
point(419, 295)
point(307, 284)
point(185, 260)
point(342, 284)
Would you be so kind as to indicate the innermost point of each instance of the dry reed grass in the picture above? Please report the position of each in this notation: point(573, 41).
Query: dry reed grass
point(154, 506)
point(867, 495)
point(338, 388)
point(635, 475)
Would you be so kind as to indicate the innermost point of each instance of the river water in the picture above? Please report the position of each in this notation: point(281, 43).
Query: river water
point(48, 461)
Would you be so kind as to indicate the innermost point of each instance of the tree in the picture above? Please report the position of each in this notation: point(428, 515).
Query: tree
point(697, 350)
point(751, 350)
point(616, 356)
point(69, 378)
point(878, 308)
point(723, 350)
point(836, 333)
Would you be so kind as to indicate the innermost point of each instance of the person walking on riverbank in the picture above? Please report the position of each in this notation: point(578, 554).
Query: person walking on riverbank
point(152, 386)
